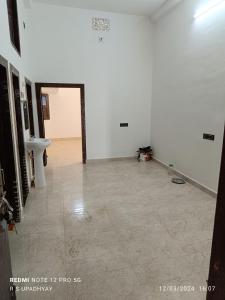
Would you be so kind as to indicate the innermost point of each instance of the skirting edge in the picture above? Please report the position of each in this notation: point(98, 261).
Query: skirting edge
point(110, 159)
point(189, 180)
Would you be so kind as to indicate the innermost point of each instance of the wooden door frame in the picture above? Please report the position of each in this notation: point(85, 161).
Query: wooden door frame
point(15, 72)
point(39, 86)
point(217, 263)
point(5, 257)
point(4, 63)
point(28, 82)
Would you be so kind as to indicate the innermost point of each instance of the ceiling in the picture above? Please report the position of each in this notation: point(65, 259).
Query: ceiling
point(136, 7)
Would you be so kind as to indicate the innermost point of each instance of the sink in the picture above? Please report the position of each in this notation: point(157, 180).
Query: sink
point(38, 146)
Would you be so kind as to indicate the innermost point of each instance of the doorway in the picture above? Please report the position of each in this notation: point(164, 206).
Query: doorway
point(8, 181)
point(5, 258)
point(20, 133)
point(45, 113)
point(30, 106)
point(7, 157)
point(31, 123)
point(217, 265)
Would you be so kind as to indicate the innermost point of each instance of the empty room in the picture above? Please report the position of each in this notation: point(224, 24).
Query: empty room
point(112, 149)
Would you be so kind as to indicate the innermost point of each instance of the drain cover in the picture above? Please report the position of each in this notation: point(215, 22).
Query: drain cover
point(178, 180)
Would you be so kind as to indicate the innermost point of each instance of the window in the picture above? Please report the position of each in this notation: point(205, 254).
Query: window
point(14, 24)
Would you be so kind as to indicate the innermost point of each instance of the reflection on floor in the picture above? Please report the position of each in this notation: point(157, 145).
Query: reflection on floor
point(121, 226)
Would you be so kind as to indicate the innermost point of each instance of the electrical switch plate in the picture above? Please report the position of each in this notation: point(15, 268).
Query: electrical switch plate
point(207, 136)
point(123, 124)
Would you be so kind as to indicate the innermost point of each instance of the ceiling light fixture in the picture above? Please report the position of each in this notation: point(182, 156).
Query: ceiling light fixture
point(206, 10)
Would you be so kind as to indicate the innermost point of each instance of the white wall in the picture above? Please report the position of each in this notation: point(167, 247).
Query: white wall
point(22, 63)
point(189, 91)
point(116, 73)
point(65, 113)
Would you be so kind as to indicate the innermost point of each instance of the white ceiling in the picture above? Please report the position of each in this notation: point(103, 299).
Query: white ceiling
point(136, 7)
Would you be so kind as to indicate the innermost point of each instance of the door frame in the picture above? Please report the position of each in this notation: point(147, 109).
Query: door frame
point(6, 260)
point(15, 72)
point(217, 263)
point(39, 86)
point(9, 69)
point(6, 289)
point(28, 82)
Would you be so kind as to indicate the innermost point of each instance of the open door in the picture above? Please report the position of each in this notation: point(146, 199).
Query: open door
point(216, 282)
point(31, 122)
point(7, 158)
point(30, 107)
point(20, 133)
point(7, 291)
point(8, 183)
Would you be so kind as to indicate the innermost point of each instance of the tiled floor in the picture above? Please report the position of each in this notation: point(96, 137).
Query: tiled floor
point(121, 226)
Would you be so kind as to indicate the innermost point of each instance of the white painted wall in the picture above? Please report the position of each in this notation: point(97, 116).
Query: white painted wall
point(116, 73)
point(22, 63)
point(65, 113)
point(189, 91)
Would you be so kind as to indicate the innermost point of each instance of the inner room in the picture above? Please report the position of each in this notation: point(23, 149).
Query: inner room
point(112, 150)
point(61, 109)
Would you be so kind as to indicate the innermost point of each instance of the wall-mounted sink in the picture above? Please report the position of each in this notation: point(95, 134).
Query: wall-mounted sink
point(38, 146)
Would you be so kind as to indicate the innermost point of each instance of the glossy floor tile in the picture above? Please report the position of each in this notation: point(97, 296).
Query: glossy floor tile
point(120, 226)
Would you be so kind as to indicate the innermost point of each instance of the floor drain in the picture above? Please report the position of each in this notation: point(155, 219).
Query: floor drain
point(178, 180)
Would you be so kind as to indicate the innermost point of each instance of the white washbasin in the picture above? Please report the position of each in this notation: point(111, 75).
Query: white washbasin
point(38, 146)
